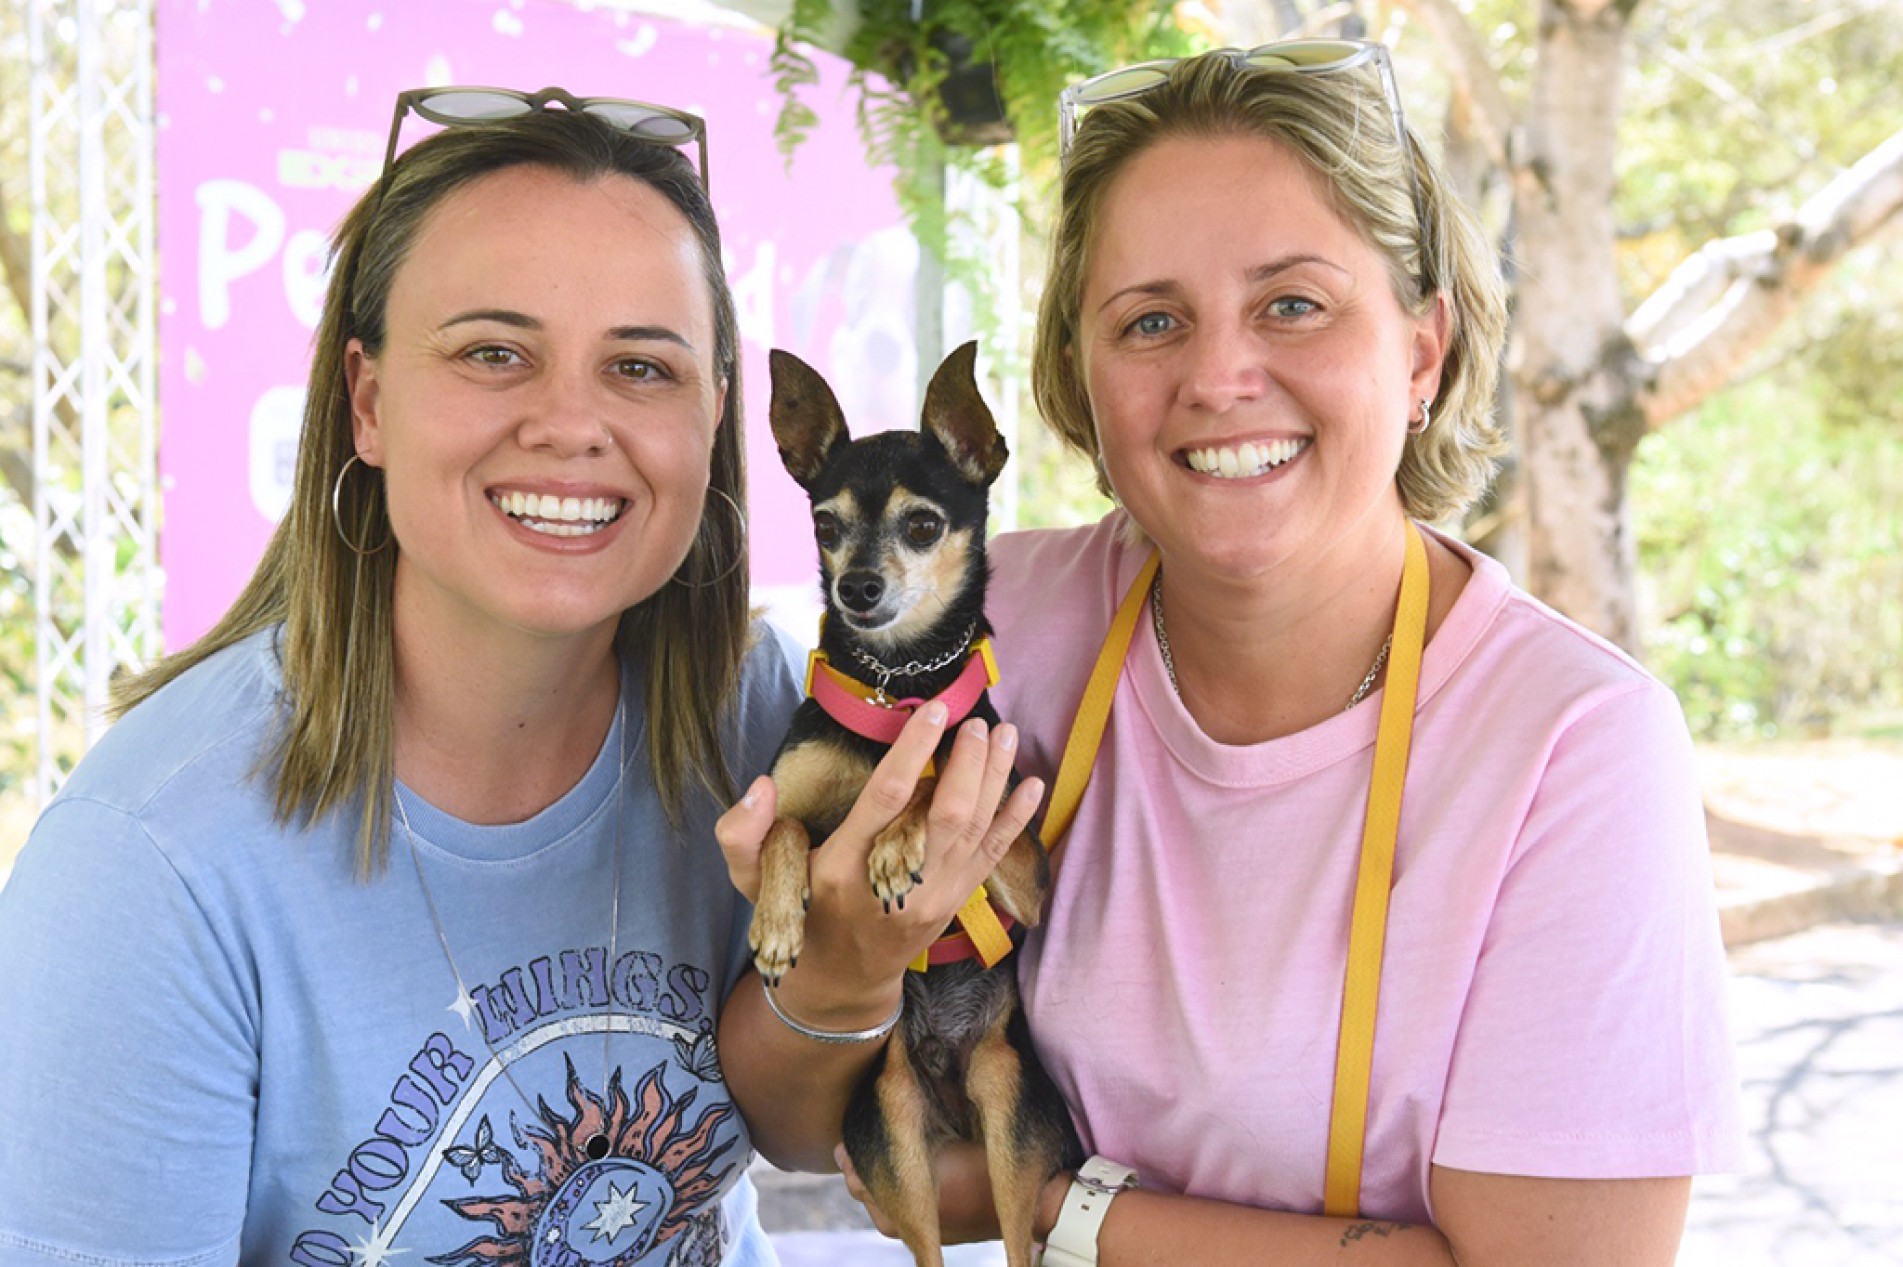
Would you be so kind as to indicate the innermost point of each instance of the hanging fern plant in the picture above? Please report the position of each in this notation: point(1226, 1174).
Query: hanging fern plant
point(940, 83)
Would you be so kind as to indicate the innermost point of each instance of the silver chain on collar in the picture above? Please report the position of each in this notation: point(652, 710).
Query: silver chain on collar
point(886, 673)
point(1169, 662)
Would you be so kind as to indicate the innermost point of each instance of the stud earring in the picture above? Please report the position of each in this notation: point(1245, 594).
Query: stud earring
point(1427, 419)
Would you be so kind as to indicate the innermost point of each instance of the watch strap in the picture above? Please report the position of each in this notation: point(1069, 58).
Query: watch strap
point(1073, 1238)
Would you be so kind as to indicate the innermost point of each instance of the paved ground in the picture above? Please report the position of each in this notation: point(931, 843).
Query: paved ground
point(1819, 1022)
point(1804, 834)
point(1808, 851)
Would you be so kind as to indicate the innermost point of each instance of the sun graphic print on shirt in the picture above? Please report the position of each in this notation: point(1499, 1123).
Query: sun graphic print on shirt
point(662, 1168)
point(576, 1117)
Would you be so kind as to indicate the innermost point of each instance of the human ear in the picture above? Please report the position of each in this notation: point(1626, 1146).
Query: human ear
point(1433, 334)
point(360, 382)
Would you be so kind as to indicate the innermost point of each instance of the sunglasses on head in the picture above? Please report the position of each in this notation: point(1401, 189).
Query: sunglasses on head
point(1302, 57)
point(467, 107)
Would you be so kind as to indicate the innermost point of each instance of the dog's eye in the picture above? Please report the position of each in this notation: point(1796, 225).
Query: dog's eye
point(826, 529)
point(922, 527)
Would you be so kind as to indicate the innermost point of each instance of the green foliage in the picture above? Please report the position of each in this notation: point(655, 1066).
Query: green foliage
point(1035, 49)
point(18, 719)
point(1059, 488)
point(1736, 110)
point(1770, 545)
point(793, 71)
point(1771, 548)
point(1850, 342)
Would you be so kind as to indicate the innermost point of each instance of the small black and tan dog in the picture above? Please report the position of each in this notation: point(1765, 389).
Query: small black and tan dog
point(900, 521)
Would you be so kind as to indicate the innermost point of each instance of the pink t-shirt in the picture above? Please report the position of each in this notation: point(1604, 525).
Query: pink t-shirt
point(1552, 993)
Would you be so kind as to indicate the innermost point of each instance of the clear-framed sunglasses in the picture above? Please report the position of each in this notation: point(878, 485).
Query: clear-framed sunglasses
point(1302, 57)
point(467, 107)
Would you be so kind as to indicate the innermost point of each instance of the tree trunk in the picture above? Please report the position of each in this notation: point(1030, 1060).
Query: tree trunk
point(1575, 377)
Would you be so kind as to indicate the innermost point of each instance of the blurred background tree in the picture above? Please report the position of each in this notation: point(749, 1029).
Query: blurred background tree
point(1770, 517)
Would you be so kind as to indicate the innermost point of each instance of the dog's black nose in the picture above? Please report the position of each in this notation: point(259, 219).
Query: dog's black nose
point(861, 591)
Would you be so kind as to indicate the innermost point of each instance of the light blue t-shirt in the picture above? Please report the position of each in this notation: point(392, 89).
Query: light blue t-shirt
point(217, 1045)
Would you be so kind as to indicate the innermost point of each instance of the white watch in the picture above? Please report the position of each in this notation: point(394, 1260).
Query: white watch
point(1073, 1239)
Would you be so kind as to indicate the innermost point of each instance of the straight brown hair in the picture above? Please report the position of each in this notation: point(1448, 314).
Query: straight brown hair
point(335, 751)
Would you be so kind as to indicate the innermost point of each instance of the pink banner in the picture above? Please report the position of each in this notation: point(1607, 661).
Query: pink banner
point(273, 118)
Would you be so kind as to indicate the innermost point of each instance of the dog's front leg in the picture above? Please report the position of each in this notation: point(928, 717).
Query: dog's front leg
point(897, 862)
point(779, 916)
point(1021, 880)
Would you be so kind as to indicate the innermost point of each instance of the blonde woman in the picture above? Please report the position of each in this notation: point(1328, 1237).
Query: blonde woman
point(1383, 930)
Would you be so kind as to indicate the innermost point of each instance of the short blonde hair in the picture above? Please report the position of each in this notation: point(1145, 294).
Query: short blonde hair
point(1338, 124)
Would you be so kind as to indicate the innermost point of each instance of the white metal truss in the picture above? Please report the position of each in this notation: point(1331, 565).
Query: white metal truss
point(94, 411)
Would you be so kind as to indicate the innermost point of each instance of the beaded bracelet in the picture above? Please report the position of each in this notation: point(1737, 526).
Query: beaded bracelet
point(836, 1037)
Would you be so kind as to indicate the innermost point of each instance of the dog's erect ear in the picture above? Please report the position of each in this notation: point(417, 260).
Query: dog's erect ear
point(804, 414)
point(959, 417)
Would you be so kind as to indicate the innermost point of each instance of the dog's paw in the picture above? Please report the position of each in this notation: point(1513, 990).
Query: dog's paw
point(897, 863)
point(776, 938)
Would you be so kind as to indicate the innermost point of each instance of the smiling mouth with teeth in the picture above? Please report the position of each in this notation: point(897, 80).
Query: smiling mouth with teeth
point(559, 516)
point(1244, 461)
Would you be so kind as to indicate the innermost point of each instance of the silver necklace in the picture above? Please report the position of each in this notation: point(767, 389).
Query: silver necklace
point(1169, 663)
point(597, 1145)
point(914, 668)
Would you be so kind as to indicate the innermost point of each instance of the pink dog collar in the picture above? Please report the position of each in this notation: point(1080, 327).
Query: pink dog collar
point(859, 709)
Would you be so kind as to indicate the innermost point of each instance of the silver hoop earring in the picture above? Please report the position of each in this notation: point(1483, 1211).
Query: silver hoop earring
point(1427, 419)
point(740, 549)
point(337, 515)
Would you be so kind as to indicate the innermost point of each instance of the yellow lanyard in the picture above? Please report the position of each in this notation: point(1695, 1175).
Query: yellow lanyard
point(1354, 1058)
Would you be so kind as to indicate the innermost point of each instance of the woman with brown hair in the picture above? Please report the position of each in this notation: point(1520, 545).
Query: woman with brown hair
point(386, 920)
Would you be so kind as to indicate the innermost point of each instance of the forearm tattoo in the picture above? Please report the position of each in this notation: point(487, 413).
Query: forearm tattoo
point(1361, 1231)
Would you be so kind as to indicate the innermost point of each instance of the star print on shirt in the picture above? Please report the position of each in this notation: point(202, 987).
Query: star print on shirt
point(617, 1214)
point(375, 1251)
point(464, 1006)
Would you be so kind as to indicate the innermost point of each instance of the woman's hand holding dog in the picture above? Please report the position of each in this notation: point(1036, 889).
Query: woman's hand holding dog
point(851, 969)
point(857, 949)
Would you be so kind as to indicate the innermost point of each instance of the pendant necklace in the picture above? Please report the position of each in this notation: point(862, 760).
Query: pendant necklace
point(1169, 664)
point(596, 1146)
